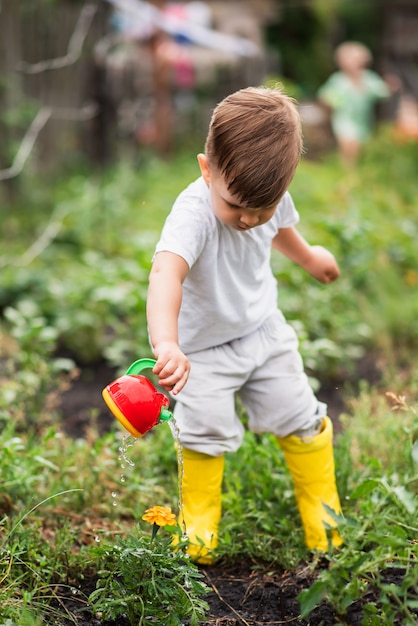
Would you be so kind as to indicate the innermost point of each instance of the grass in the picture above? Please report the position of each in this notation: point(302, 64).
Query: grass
point(63, 506)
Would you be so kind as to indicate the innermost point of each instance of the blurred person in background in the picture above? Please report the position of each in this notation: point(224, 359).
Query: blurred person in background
point(350, 94)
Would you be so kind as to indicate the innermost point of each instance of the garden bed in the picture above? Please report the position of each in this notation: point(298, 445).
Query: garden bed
point(244, 596)
point(240, 594)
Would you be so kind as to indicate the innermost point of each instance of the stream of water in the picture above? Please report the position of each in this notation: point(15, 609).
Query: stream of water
point(126, 462)
point(180, 465)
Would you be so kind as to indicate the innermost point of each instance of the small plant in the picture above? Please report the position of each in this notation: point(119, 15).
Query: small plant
point(30, 565)
point(144, 579)
point(31, 375)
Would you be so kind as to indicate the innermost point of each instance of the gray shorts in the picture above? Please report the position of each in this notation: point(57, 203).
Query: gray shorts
point(265, 371)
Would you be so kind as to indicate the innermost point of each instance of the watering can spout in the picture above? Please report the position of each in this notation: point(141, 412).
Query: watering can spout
point(165, 415)
point(135, 402)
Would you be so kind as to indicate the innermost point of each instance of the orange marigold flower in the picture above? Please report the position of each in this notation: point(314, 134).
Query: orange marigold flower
point(160, 515)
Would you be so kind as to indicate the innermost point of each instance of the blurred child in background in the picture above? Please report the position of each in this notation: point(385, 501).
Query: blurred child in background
point(351, 93)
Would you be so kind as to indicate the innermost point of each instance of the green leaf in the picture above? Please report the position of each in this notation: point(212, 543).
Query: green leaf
point(46, 463)
point(364, 488)
point(155, 529)
point(310, 598)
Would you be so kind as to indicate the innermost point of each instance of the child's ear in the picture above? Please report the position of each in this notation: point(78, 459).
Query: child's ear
point(204, 167)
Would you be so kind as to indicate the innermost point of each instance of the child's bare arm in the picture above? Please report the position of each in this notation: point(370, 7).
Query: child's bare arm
point(163, 306)
point(316, 260)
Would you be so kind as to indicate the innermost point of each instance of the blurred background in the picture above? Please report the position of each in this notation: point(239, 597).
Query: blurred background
point(103, 107)
point(103, 79)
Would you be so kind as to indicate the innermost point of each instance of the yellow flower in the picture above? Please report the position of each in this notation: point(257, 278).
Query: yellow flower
point(160, 515)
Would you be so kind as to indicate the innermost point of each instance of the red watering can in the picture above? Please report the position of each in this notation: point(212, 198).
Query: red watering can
point(134, 400)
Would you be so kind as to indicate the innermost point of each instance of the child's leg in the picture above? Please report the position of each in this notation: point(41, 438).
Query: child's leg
point(201, 513)
point(279, 400)
point(349, 150)
point(311, 464)
point(206, 417)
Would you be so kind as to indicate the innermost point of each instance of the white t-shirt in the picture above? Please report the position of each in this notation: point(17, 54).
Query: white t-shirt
point(230, 289)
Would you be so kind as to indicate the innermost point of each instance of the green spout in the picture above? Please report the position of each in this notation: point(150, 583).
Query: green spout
point(165, 415)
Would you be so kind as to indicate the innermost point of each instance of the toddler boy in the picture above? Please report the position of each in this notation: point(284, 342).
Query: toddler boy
point(213, 318)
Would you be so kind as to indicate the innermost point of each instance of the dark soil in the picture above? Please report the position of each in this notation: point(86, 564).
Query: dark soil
point(240, 595)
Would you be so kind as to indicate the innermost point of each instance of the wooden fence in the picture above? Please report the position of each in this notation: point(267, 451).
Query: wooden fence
point(63, 98)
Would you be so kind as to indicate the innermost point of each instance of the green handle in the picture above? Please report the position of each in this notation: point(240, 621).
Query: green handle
point(141, 364)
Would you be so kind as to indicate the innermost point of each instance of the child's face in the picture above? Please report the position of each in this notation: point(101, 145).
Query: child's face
point(226, 206)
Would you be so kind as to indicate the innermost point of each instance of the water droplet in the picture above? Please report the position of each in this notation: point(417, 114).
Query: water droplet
point(122, 478)
point(74, 591)
point(127, 442)
point(97, 539)
point(114, 494)
point(114, 503)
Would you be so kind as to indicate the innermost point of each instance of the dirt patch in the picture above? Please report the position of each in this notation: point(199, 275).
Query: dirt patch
point(82, 404)
point(241, 596)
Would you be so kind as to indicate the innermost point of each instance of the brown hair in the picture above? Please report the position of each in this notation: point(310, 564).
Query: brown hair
point(255, 142)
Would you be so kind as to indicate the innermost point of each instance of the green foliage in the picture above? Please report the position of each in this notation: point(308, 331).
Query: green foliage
point(105, 233)
point(82, 516)
point(81, 255)
point(371, 228)
point(149, 582)
point(379, 528)
point(378, 547)
point(31, 376)
point(30, 565)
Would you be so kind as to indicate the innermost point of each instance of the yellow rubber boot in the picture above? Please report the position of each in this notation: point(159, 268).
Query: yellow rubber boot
point(311, 465)
point(202, 489)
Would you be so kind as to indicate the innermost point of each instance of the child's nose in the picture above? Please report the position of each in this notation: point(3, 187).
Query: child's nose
point(249, 219)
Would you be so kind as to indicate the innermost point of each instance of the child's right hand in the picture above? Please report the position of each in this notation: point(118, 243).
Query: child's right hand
point(172, 366)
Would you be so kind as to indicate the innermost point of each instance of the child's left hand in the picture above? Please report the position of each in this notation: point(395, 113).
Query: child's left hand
point(322, 265)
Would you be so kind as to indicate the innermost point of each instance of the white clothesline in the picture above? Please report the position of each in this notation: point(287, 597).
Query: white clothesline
point(145, 16)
